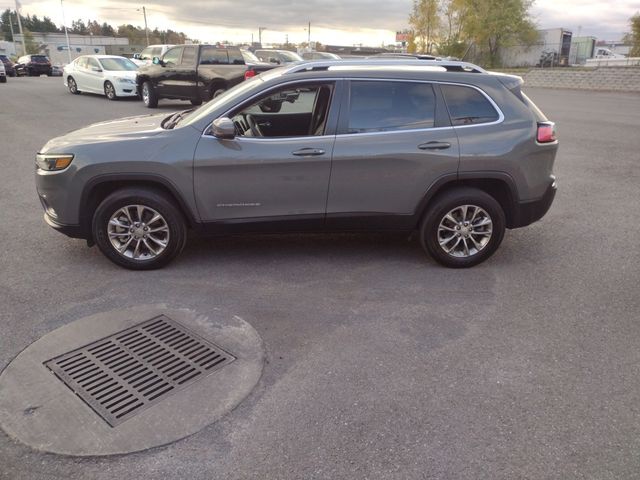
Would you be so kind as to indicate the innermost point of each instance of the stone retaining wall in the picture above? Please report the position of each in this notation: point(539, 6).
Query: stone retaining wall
point(620, 79)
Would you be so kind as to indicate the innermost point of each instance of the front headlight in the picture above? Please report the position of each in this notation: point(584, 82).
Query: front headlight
point(125, 80)
point(52, 162)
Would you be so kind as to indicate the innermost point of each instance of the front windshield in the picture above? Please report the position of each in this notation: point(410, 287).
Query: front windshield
point(249, 56)
point(290, 56)
point(118, 64)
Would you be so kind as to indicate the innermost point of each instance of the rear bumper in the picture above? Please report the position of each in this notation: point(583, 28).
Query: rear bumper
point(525, 213)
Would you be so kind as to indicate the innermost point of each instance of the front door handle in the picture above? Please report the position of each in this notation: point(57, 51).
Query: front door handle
point(434, 146)
point(308, 152)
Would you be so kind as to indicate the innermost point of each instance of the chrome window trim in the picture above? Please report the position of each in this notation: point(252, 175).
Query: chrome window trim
point(386, 132)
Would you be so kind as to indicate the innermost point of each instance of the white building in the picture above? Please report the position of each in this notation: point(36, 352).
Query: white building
point(54, 45)
point(553, 43)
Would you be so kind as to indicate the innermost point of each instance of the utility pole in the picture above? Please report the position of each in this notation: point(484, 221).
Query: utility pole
point(309, 35)
point(260, 29)
point(11, 27)
point(24, 47)
point(146, 30)
point(66, 33)
point(286, 39)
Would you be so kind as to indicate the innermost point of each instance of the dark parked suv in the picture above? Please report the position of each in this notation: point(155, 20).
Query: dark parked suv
point(8, 66)
point(442, 148)
point(33, 65)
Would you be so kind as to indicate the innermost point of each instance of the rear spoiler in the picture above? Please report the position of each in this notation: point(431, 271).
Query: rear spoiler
point(509, 81)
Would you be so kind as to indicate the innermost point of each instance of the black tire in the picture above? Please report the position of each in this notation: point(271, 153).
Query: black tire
point(196, 102)
point(110, 91)
point(73, 86)
point(218, 92)
point(3, 79)
point(146, 197)
point(149, 95)
point(445, 203)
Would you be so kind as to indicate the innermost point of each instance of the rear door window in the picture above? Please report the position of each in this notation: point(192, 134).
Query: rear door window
point(387, 106)
point(189, 56)
point(467, 106)
point(213, 56)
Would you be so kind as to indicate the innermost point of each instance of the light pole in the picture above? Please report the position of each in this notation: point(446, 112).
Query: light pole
point(66, 33)
point(260, 29)
point(146, 29)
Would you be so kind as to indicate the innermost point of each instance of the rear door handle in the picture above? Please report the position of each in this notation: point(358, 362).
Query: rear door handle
point(434, 146)
point(308, 152)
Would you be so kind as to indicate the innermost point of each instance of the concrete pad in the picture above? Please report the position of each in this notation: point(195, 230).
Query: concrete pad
point(39, 410)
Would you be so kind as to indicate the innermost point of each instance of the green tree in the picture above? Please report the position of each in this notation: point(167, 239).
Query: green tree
point(29, 43)
point(425, 23)
point(634, 36)
point(495, 24)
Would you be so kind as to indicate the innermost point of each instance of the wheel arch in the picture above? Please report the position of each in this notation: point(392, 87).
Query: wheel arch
point(100, 187)
point(499, 185)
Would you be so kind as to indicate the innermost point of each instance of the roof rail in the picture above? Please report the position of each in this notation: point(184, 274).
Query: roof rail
point(448, 65)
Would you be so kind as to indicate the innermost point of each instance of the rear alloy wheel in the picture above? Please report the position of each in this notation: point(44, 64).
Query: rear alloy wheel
point(463, 228)
point(109, 90)
point(73, 86)
point(139, 229)
point(149, 95)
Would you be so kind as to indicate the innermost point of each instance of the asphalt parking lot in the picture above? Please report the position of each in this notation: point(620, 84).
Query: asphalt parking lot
point(380, 363)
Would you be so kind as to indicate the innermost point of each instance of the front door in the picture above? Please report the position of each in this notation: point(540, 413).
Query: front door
point(169, 78)
point(278, 165)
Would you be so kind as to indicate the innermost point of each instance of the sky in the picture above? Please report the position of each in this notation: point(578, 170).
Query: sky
point(335, 22)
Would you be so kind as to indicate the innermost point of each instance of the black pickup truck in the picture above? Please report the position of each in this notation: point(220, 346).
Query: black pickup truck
point(194, 72)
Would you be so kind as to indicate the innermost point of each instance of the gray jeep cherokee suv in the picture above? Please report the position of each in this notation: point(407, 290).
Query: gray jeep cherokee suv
point(443, 148)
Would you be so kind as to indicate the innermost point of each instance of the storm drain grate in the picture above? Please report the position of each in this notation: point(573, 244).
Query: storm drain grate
point(121, 375)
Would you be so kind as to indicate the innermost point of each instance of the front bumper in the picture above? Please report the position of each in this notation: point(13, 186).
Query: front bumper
point(73, 231)
point(525, 213)
point(126, 89)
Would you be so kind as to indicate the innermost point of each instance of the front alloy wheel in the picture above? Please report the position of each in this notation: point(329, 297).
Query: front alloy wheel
point(73, 86)
point(138, 232)
point(109, 90)
point(139, 228)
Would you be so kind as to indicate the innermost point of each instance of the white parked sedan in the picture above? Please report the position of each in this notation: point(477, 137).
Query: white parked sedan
point(108, 75)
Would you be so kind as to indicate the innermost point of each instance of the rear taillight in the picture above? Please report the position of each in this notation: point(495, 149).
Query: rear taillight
point(249, 74)
point(546, 132)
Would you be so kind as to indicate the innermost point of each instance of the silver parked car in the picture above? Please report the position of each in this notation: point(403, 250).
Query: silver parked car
point(443, 148)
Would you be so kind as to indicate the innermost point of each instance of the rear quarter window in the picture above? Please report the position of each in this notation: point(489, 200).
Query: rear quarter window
point(467, 106)
point(213, 56)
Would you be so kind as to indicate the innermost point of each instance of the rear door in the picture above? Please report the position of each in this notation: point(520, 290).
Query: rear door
point(394, 141)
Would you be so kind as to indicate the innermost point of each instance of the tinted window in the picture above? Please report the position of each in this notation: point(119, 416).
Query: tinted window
point(468, 106)
point(39, 59)
point(384, 106)
point(172, 57)
point(189, 56)
point(213, 56)
point(235, 57)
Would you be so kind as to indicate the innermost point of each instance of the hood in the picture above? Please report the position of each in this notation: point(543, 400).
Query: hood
point(112, 130)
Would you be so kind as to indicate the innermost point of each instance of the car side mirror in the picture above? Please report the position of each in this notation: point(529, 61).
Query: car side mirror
point(223, 128)
point(157, 61)
point(136, 56)
point(96, 69)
